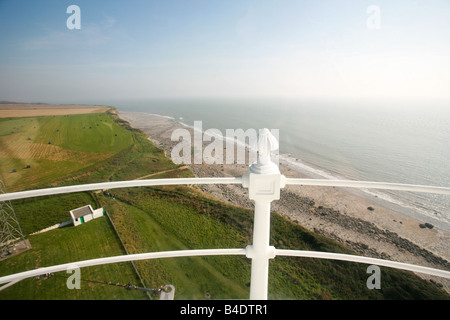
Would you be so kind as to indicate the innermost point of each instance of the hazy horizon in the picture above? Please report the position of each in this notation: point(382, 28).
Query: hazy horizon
point(288, 49)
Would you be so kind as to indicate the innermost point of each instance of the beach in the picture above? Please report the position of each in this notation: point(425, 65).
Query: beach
point(343, 214)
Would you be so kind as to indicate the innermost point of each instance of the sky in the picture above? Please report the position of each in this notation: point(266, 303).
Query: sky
point(215, 48)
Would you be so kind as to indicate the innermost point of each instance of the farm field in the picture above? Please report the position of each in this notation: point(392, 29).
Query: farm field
point(20, 110)
point(107, 150)
point(37, 151)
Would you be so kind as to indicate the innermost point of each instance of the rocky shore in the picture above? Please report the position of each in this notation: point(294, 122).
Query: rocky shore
point(362, 225)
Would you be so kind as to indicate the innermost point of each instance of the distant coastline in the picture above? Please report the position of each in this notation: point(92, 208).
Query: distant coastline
point(333, 212)
point(385, 141)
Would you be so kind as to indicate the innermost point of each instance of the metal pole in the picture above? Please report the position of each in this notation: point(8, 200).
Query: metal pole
point(263, 182)
point(260, 252)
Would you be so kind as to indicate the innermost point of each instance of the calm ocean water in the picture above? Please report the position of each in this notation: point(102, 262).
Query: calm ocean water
point(400, 142)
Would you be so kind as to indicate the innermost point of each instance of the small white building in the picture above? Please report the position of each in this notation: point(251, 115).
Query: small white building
point(85, 214)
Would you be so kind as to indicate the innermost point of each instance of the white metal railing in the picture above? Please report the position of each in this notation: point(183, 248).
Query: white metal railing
point(234, 180)
point(264, 182)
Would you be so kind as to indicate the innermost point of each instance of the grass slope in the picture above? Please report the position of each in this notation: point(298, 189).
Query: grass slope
point(159, 219)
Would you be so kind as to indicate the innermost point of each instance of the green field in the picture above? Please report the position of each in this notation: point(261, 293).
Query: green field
point(40, 151)
point(160, 219)
point(66, 245)
point(165, 224)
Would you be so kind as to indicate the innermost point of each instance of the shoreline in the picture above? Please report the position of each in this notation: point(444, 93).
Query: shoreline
point(337, 213)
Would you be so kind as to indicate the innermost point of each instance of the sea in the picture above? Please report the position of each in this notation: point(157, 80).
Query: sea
point(396, 141)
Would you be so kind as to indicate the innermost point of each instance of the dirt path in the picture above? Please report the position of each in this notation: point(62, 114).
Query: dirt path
point(150, 175)
point(161, 172)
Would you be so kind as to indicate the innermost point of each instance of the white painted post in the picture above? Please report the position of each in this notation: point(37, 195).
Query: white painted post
point(264, 182)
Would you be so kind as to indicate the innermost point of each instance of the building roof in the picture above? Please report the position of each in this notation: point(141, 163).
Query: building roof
point(80, 212)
